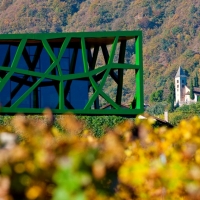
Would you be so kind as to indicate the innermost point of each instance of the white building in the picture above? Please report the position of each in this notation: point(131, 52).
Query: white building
point(182, 91)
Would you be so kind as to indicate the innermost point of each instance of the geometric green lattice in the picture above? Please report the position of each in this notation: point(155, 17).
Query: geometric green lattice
point(60, 71)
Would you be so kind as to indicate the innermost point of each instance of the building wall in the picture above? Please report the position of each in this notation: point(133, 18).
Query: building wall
point(36, 87)
point(188, 100)
point(180, 83)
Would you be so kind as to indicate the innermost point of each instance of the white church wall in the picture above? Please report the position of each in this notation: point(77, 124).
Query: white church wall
point(187, 98)
point(177, 89)
point(195, 97)
point(180, 83)
point(182, 92)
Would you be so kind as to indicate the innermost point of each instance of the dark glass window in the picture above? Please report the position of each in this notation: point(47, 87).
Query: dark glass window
point(46, 94)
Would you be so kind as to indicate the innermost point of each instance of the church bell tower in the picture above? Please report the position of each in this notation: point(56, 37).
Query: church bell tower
point(180, 83)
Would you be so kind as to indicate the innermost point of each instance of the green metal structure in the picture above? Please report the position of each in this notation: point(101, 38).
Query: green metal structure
point(83, 48)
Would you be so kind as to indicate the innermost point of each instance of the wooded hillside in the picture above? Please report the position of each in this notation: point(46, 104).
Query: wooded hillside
point(171, 29)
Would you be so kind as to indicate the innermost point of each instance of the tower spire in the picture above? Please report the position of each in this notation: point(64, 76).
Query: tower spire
point(180, 72)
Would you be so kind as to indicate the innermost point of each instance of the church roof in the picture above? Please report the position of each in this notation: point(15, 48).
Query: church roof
point(196, 90)
point(180, 72)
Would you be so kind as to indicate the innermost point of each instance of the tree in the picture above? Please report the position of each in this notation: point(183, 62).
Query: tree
point(157, 96)
point(156, 109)
point(171, 98)
point(196, 81)
point(191, 90)
point(193, 9)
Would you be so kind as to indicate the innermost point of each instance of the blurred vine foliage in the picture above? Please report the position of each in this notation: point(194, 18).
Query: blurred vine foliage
point(134, 160)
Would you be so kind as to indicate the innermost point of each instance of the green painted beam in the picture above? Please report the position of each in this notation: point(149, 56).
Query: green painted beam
point(76, 111)
point(139, 73)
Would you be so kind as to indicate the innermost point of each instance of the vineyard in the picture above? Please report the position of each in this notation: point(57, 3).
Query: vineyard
point(133, 160)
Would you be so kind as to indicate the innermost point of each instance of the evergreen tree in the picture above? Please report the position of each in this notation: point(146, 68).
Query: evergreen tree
point(156, 96)
point(191, 90)
point(196, 81)
point(171, 98)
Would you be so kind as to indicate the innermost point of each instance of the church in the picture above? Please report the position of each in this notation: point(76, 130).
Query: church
point(182, 90)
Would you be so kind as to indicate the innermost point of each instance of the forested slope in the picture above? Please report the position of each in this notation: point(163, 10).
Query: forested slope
point(171, 29)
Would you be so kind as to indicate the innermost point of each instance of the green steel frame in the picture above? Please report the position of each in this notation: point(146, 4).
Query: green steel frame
point(90, 44)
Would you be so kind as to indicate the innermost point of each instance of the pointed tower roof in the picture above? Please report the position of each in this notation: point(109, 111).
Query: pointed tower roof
point(180, 72)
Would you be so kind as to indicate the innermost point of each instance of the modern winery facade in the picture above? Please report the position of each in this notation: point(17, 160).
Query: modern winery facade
point(60, 71)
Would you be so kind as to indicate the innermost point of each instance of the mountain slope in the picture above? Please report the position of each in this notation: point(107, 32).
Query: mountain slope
point(171, 29)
